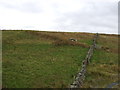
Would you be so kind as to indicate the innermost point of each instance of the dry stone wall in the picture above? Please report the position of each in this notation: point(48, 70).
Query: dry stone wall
point(78, 82)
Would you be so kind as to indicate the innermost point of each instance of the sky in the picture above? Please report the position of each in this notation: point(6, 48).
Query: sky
point(93, 16)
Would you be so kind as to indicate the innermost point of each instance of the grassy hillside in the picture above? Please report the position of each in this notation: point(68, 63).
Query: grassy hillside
point(34, 59)
point(103, 69)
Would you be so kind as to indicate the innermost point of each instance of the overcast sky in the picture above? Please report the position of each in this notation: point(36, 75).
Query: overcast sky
point(60, 15)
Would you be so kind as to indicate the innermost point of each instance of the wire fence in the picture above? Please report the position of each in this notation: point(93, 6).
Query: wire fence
point(78, 82)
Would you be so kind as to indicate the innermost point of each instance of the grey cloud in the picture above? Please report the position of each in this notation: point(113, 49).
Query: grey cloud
point(119, 17)
point(30, 7)
point(95, 16)
point(99, 16)
point(29, 26)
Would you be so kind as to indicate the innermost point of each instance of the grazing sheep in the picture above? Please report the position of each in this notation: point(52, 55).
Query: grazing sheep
point(72, 39)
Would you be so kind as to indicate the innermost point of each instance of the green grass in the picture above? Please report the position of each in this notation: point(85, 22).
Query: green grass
point(103, 69)
point(30, 62)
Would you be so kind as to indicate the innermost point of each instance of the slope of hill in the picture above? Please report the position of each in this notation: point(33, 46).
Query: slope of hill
point(34, 59)
point(103, 69)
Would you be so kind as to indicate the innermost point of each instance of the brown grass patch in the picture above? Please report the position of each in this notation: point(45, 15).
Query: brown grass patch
point(61, 35)
point(71, 43)
point(62, 38)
